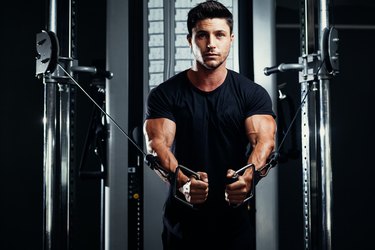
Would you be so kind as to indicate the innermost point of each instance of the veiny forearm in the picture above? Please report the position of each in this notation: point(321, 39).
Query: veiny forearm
point(159, 134)
point(164, 154)
point(261, 151)
point(261, 132)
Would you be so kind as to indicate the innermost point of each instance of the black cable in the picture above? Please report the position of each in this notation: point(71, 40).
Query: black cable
point(151, 160)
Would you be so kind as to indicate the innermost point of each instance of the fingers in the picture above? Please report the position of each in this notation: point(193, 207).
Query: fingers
point(203, 176)
point(235, 198)
point(236, 192)
point(231, 177)
point(199, 188)
point(230, 173)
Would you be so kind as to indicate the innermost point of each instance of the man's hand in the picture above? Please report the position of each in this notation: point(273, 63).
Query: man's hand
point(238, 186)
point(199, 188)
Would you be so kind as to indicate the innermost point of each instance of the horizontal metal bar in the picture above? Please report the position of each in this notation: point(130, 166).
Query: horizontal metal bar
point(338, 26)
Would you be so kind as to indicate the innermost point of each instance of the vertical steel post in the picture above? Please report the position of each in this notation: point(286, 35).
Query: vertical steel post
point(49, 163)
point(57, 134)
point(65, 95)
point(315, 122)
point(49, 146)
point(325, 134)
point(316, 67)
point(309, 126)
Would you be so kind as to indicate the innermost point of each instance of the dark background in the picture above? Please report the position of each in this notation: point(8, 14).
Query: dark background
point(21, 130)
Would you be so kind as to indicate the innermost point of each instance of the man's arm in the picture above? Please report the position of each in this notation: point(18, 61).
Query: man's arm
point(159, 134)
point(261, 131)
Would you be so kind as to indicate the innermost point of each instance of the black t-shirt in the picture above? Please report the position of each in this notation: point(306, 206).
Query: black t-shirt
point(210, 126)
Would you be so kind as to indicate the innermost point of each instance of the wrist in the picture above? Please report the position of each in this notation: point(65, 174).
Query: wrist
point(249, 172)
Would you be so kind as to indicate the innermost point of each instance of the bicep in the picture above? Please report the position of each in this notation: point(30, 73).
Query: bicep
point(159, 131)
point(260, 128)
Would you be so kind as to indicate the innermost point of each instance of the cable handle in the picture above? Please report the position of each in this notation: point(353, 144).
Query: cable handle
point(190, 173)
point(239, 172)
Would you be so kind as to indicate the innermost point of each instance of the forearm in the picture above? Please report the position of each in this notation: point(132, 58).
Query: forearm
point(258, 157)
point(159, 134)
point(261, 131)
point(167, 160)
point(260, 153)
point(165, 157)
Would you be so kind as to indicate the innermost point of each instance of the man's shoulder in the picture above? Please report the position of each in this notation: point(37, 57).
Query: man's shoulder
point(240, 79)
point(177, 78)
point(171, 85)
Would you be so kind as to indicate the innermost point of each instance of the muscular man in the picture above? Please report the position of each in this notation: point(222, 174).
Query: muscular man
point(213, 121)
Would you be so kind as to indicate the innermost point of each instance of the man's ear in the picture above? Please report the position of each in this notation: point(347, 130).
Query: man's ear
point(188, 37)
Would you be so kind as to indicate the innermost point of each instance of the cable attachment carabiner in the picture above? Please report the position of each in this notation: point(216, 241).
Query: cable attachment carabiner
point(153, 162)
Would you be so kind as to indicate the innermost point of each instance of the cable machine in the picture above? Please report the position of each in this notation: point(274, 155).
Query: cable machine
point(56, 58)
point(58, 127)
point(317, 65)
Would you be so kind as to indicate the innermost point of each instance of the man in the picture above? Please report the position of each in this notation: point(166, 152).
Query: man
point(212, 121)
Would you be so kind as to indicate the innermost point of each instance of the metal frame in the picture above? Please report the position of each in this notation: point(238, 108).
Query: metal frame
point(308, 124)
point(316, 134)
point(58, 130)
point(325, 136)
point(314, 64)
point(57, 133)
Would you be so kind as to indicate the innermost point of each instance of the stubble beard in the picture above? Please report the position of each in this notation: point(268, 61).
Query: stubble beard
point(212, 66)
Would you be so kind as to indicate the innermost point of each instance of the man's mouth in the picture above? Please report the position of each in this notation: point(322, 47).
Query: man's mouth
point(211, 55)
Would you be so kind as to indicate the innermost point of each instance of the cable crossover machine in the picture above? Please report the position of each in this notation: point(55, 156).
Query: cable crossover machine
point(317, 64)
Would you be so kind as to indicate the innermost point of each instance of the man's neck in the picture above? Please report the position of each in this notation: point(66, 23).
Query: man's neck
point(207, 79)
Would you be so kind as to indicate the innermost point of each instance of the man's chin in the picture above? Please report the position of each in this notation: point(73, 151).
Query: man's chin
point(212, 65)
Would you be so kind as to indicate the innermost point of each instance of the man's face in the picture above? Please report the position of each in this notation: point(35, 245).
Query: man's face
point(210, 42)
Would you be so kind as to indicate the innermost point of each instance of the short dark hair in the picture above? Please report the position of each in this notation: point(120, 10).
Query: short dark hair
point(208, 9)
